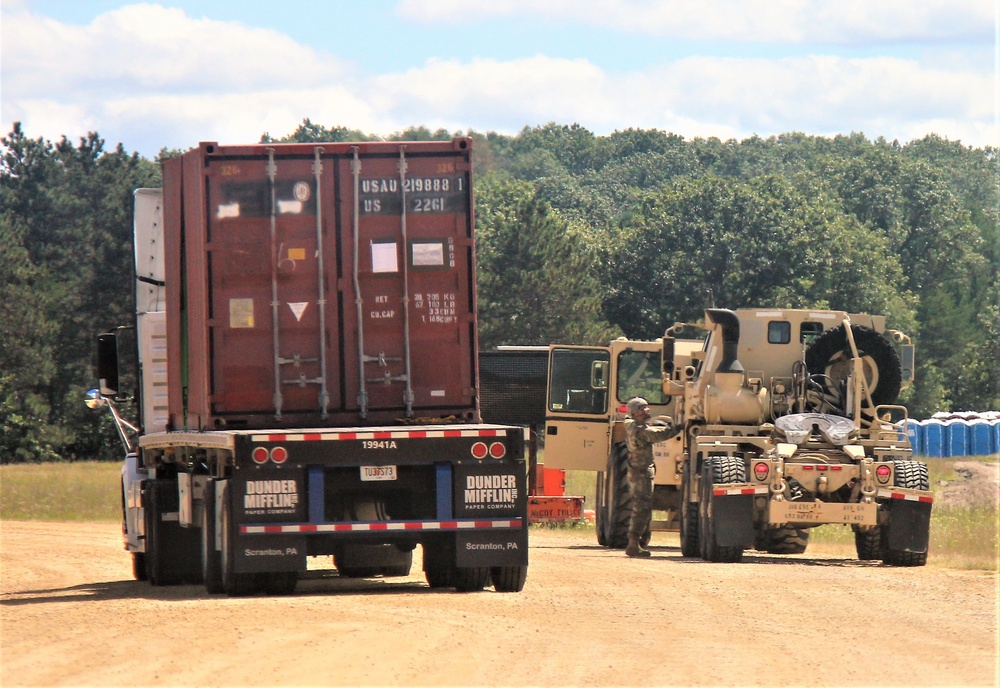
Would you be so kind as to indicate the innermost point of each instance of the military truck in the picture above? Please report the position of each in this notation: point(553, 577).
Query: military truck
point(788, 421)
point(306, 376)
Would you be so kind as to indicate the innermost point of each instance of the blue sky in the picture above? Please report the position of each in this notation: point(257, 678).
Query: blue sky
point(170, 74)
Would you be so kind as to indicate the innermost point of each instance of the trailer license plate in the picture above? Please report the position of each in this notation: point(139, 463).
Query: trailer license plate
point(369, 473)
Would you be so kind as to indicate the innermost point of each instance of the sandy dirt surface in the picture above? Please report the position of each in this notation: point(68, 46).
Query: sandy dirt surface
point(71, 615)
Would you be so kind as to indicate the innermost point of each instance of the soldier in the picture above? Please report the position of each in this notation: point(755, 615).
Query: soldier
point(641, 469)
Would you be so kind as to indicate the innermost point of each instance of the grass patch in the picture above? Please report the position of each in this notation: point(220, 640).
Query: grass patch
point(84, 491)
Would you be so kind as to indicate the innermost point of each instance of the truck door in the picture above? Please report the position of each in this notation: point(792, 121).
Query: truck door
point(577, 419)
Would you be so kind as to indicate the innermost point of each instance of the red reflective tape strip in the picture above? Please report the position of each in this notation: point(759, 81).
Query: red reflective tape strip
point(346, 436)
point(309, 437)
point(379, 526)
point(926, 500)
point(418, 434)
point(452, 433)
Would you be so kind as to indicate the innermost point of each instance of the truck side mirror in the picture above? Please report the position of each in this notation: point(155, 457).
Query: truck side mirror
point(906, 361)
point(599, 375)
point(107, 363)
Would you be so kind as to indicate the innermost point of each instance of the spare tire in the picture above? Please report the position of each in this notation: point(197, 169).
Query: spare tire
point(829, 358)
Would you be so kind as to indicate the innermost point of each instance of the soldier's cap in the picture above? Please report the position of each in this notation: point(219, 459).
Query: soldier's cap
point(635, 404)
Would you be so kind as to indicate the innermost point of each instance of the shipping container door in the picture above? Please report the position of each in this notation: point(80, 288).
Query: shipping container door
point(269, 279)
point(407, 242)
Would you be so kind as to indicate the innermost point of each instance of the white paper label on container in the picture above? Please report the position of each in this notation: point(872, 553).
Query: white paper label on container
point(384, 257)
point(240, 313)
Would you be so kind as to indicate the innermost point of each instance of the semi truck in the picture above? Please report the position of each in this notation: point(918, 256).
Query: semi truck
point(303, 368)
point(788, 421)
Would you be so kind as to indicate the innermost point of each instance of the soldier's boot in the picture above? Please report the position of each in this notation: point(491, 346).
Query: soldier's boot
point(634, 549)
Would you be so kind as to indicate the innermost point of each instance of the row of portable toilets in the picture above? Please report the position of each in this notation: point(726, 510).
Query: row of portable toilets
point(953, 435)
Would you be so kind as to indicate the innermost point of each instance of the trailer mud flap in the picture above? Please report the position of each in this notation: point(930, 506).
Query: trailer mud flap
point(492, 548)
point(733, 516)
point(268, 553)
point(909, 526)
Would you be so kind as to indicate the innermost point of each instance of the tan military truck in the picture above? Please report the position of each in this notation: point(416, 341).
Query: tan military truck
point(789, 422)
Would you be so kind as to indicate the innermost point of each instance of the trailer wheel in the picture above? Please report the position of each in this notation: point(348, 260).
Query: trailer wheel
point(868, 543)
point(234, 584)
point(471, 578)
point(912, 475)
point(619, 498)
point(211, 564)
point(437, 556)
point(398, 570)
point(689, 516)
point(829, 358)
point(508, 578)
point(720, 470)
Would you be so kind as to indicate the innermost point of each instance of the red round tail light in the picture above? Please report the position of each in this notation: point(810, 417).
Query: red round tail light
point(760, 470)
point(279, 455)
point(498, 450)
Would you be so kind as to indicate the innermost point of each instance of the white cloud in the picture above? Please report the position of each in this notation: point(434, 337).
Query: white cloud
point(782, 21)
point(152, 77)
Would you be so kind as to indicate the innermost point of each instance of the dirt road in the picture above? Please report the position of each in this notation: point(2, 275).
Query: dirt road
point(71, 615)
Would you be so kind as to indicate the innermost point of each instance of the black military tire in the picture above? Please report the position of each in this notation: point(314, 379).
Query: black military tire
point(438, 577)
point(720, 470)
point(689, 516)
point(912, 475)
point(868, 544)
point(508, 578)
point(830, 352)
point(600, 513)
point(619, 501)
point(471, 578)
point(211, 564)
point(784, 540)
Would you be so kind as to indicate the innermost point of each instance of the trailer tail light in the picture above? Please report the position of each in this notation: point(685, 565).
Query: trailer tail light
point(760, 470)
point(479, 450)
point(498, 450)
point(279, 455)
point(883, 473)
point(260, 455)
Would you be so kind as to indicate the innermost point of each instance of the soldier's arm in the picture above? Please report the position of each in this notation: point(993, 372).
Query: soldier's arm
point(659, 433)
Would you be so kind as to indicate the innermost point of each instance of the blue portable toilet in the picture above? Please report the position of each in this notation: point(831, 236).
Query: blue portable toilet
point(956, 437)
point(980, 442)
point(995, 436)
point(914, 432)
point(933, 432)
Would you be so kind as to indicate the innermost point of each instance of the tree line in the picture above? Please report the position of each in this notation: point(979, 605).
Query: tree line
point(580, 238)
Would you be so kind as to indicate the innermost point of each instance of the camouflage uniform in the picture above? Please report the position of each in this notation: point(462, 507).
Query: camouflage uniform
point(641, 437)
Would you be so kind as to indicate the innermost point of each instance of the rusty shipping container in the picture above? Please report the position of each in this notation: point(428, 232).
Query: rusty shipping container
point(320, 285)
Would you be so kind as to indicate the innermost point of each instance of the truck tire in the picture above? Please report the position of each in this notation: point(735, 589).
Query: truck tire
point(720, 470)
point(828, 357)
point(782, 540)
point(139, 566)
point(471, 578)
point(398, 570)
point(508, 578)
point(912, 475)
point(600, 513)
point(211, 564)
point(619, 498)
point(138, 558)
point(233, 584)
point(868, 544)
point(689, 516)
point(173, 555)
point(281, 582)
